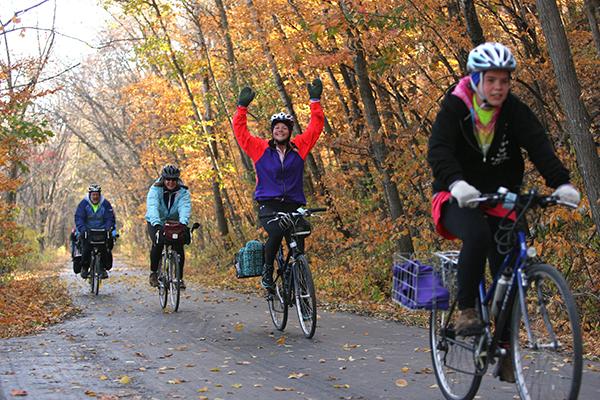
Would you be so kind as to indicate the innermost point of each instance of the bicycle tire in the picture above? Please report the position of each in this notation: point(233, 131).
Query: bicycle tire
point(174, 281)
point(163, 285)
point(552, 369)
point(454, 366)
point(306, 300)
point(278, 300)
point(95, 274)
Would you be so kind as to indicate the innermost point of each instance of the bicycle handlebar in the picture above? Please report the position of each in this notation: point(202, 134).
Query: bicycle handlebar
point(510, 199)
point(299, 212)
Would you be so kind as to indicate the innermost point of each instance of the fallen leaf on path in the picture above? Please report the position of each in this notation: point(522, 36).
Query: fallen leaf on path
point(215, 369)
point(341, 386)
point(243, 362)
point(231, 373)
point(406, 369)
point(16, 392)
point(189, 365)
point(125, 379)
point(103, 377)
point(236, 385)
point(296, 376)
point(592, 368)
point(333, 378)
point(181, 348)
point(168, 355)
point(238, 327)
point(401, 383)
point(137, 353)
point(280, 389)
point(204, 389)
point(281, 340)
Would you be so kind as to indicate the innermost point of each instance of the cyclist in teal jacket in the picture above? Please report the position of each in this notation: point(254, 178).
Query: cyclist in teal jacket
point(168, 200)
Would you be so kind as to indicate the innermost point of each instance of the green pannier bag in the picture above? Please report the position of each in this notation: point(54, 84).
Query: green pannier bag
point(250, 259)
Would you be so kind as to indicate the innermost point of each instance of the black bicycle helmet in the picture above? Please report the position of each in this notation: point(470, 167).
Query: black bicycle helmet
point(94, 188)
point(170, 172)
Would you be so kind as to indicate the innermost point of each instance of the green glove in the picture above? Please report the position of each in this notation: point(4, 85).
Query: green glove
point(315, 90)
point(246, 97)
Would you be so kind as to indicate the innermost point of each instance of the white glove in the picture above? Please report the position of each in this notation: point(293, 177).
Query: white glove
point(568, 194)
point(464, 192)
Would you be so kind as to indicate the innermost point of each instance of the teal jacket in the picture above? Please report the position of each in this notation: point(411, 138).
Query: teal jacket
point(156, 208)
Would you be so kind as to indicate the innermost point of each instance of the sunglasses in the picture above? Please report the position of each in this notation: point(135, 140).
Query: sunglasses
point(171, 179)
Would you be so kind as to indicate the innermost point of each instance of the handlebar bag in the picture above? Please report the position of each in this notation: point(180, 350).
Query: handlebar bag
point(250, 259)
point(174, 232)
point(97, 236)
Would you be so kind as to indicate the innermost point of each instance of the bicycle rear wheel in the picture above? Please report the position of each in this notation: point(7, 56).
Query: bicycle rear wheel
point(174, 281)
point(278, 300)
point(95, 274)
point(306, 300)
point(453, 356)
point(163, 284)
point(550, 365)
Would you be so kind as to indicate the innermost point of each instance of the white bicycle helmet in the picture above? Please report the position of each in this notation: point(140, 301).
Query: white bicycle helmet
point(94, 188)
point(488, 56)
point(282, 117)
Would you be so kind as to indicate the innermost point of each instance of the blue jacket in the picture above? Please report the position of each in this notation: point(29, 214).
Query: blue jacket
point(276, 180)
point(86, 218)
point(156, 209)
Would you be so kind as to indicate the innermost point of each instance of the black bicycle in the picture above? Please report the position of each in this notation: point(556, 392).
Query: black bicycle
point(170, 276)
point(293, 284)
point(98, 238)
point(536, 306)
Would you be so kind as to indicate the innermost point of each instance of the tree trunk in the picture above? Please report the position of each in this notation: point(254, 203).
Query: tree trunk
point(578, 119)
point(472, 22)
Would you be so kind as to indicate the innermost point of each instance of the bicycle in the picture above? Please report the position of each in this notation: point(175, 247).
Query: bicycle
point(293, 284)
point(98, 238)
point(170, 275)
point(536, 306)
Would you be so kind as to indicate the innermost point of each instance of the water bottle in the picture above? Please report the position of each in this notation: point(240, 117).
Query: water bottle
point(501, 287)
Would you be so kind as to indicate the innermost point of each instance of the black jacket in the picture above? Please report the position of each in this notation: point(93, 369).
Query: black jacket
point(454, 153)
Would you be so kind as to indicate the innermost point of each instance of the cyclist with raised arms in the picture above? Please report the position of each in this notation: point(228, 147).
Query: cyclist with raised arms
point(94, 212)
point(475, 147)
point(168, 200)
point(279, 163)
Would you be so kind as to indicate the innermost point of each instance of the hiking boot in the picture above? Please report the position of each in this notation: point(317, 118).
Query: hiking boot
point(104, 274)
point(267, 277)
point(507, 372)
point(468, 323)
point(182, 285)
point(153, 279)
point(84, 273)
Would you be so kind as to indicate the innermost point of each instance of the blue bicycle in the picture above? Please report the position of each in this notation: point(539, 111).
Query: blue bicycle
point(536, 306)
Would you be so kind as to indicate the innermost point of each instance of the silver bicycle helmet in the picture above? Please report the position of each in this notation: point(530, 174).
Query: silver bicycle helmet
point(170, 172)
point(94, 188)
point(489, 56)
point(282, 117)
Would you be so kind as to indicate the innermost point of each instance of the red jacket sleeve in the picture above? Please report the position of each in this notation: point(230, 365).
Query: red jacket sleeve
point(308, 138)
point(252, 145)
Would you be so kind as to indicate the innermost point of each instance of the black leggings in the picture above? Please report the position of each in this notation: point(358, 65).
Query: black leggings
point(476, 231)
point(156, 251)
point(272, 227)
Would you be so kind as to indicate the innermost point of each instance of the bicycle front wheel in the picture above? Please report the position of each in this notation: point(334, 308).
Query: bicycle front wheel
point(163, 284)
point(306, 300)
point(457, 373)
point(95, 274)
point(547, 355)
point(174, 281)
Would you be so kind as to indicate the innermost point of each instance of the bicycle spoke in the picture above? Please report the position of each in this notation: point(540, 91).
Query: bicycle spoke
point(277, 298)
point(548, 356)
point(163, 286)
point(174, 281)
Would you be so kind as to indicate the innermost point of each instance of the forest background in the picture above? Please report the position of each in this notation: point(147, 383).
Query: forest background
point(163, 86)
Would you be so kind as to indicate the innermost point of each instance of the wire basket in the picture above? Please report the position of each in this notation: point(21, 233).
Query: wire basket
point(423, 281)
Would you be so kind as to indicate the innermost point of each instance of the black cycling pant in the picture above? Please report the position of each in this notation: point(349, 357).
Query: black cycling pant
point(276, 234)
point(476, 231)
point(156, 250)
point(105, 255)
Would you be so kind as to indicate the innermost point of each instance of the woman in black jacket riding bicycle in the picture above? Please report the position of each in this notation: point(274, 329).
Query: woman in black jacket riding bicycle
point(475, 147)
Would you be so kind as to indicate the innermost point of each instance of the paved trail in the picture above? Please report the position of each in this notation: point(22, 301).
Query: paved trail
point(220, 345)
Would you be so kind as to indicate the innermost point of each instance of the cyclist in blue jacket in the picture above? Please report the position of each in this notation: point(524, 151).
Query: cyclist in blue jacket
point(279, 164)
point(94, 212)
point(168, 200)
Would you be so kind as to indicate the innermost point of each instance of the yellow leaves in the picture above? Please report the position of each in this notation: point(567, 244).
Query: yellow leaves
point(341, 386)
point(297, 376)
point(280, 340)
point(125, 380)
point(238, 327)
point(280, 389)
